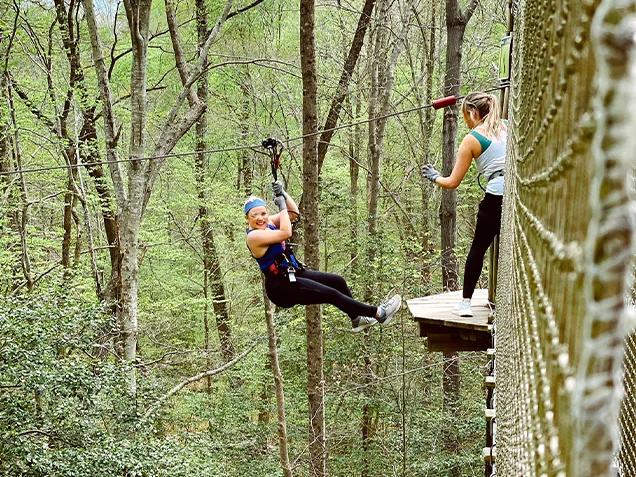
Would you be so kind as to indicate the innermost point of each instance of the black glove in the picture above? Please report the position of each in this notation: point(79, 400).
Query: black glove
point(277, 188)
point(280, 201)
point(430, 173)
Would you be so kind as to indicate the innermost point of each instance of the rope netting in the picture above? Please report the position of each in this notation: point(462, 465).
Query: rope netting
point(566, 244)
point(627, 454)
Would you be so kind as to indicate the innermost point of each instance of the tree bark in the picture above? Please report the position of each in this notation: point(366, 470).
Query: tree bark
point(313, 317)
point(244, 179)
point(213, 278)
point(22, 215)
point(456, 22)
point(427, 119)
point(382, 80)
point(278, 382)
point(451, 383)
point(354, 172)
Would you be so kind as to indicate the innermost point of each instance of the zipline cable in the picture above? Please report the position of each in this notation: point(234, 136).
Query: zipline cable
point(437, 104)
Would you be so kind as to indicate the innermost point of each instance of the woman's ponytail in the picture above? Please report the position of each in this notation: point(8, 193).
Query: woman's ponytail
point(488, 108)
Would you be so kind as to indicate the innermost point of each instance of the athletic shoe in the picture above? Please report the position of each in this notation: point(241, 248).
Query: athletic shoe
point(388, 309)
point(362, 322)
point(463, 308)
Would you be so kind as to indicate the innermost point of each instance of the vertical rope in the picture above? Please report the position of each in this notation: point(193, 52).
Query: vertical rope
point(598, 393)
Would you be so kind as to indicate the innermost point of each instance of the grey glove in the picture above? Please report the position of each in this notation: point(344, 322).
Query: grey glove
point(430, 173)
point(279, 200)
point(277, 187)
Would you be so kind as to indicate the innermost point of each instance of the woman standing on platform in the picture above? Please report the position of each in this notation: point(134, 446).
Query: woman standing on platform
point(486, 144)
point(289, 283)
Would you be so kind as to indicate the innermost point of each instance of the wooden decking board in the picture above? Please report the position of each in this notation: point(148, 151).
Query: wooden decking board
point(437, 310)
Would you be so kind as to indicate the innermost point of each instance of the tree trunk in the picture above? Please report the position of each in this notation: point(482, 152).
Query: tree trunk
point(427, 118)
point(313, 317)
point(343, 84)
point(211, 266)
point(278, 382)
point(245, 165)
point(451, 385)
point(22, 215)
point(354, 172)
point(89, 153)
point(456, 22)
point(138, 15)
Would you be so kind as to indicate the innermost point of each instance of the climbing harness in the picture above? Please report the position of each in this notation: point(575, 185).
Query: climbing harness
point(286, 264)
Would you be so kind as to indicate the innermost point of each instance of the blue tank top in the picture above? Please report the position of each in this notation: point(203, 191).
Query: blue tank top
point(273, 252)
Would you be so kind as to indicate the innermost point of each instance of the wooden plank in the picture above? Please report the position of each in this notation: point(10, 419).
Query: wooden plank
point(489, 454)
point(452, 341)
point(437, 309)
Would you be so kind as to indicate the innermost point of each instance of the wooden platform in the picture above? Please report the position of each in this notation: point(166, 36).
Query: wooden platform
point(448, 332)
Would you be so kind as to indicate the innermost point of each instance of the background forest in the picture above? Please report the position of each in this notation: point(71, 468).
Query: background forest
point(133, 336)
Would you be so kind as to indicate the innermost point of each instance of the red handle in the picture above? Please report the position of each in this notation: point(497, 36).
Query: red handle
point(443, 102)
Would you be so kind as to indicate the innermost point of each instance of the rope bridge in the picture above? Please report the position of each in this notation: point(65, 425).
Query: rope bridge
point(564, 352)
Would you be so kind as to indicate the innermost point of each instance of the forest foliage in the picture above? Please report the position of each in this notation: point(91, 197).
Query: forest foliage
point(66, 406)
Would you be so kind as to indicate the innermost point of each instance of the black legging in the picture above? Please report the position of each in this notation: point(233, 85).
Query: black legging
point(312, 288)
point(488, 225)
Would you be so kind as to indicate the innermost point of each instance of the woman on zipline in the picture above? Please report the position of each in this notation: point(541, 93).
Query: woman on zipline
point(486, 144)
point(288, 282)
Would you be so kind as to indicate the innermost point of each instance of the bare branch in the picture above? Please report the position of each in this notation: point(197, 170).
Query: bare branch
point(198, 377)
point(244, 9)
point(470, 9)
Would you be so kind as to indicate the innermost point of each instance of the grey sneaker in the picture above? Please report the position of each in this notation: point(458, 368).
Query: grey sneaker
point(362, 322)
point(388, 309)
point(463, 308)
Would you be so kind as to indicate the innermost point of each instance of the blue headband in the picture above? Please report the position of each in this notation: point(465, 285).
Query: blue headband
point(254, 203)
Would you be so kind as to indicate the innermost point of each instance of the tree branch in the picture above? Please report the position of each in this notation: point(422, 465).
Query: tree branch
point(470, 9)
point(347, 71)
point(244, 9)
point(198, 377)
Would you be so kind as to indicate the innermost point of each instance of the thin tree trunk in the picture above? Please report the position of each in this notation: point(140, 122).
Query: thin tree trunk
point(354, 172)
point(22, 217)
point(138, 15)
point(80, 192)
point(347, 71)
point(382, 80)
point(245, 166)
point(313, 317)
point(278, 382)
point(89, 154)
point(427, 118)
point(211, 265)
point(451, 386)
point(456, 22)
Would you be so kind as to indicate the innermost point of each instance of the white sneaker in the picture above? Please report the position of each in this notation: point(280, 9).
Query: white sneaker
point(388, 309)
point(463, 309)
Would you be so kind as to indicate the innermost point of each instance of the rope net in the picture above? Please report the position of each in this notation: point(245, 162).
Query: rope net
point(566, 244)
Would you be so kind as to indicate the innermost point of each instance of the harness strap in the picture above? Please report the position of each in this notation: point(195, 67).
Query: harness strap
point(495, 174)
point(293, 264)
